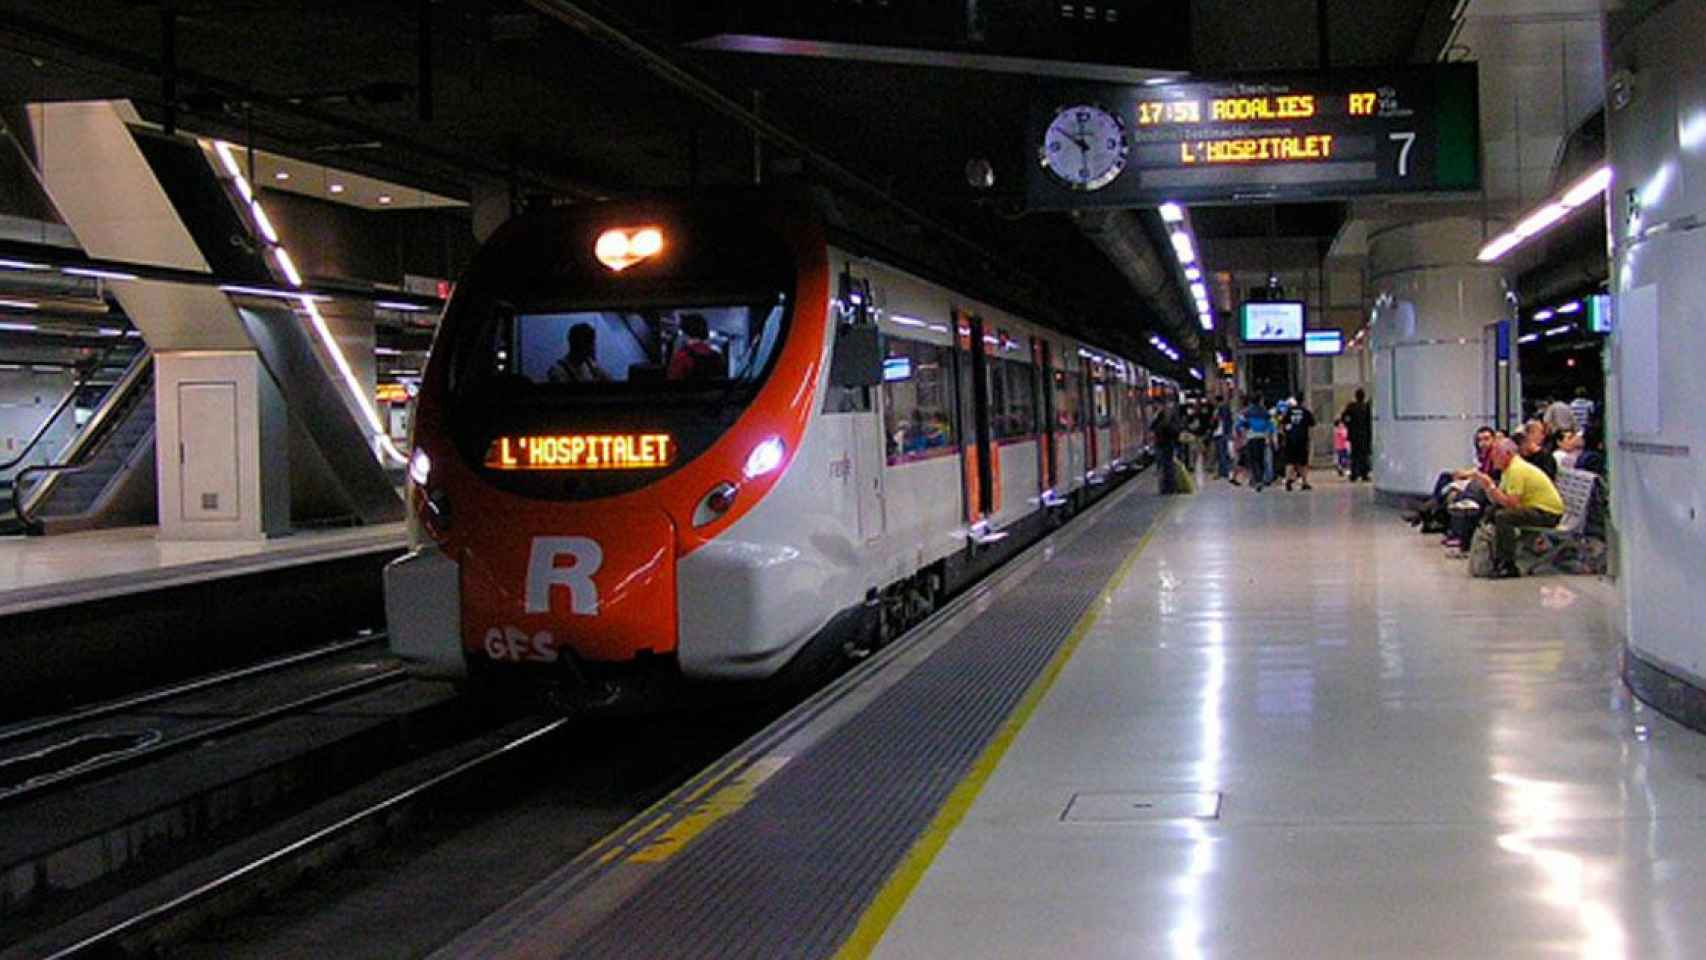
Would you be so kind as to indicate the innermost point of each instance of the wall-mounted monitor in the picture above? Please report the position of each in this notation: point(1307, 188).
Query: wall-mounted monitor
point(1599, 313)
point(1274, 321)
point(1323, 343)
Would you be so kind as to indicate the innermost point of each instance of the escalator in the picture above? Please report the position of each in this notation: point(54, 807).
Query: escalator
point(104, 477)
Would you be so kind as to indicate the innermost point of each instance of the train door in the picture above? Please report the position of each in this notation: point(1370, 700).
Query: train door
point(862, 423)
point(1087, 415)
point(1042, 357)
point(974, 418)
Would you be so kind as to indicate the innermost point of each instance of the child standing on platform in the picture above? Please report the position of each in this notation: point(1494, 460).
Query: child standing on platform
point(1341, 446)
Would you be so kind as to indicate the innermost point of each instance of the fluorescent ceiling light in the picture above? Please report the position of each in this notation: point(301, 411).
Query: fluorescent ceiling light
point(289, 268)
point(1543, 315)
point(400, 305)
point(1206, 320)
point(20, 304)
point(336, 188)
point(1540, 219)
point(1184, 248)
point(1193, 274)
point(1196, 373)
point(1588, 187)
point(225, 157)
point(1547, 214)
point(262, 221)
point(1528, 338)
point(21, 265)
point(1172, 213)
point(19, 327)
point(293, 295)
point(97, 274)
point(1574, 306)
point(1500, 246)
point(1199, 291)
point(1555, 331)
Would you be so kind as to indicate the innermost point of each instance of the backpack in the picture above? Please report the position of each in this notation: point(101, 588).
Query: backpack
point(1481, 551)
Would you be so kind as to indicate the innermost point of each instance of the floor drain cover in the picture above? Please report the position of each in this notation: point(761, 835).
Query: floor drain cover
point(1140, 807)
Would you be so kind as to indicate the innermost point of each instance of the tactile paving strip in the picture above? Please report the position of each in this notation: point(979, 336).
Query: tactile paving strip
point(791, 873)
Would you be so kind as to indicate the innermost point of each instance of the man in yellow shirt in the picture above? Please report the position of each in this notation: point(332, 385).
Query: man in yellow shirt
point(1523, 497)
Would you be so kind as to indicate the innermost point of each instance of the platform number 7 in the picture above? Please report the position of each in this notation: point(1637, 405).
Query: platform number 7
point(1408, 139)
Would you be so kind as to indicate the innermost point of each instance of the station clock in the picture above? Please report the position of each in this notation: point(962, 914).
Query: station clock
point(1084, 147)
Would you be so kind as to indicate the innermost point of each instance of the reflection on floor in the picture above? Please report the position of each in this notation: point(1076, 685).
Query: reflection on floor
point(1407, 762)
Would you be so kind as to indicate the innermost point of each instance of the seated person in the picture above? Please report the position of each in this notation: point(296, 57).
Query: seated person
point(697, 359)
point(1568, 448)
point(1536, 448)
point(1524, 497)
point(580, 363)
point(1431, 515)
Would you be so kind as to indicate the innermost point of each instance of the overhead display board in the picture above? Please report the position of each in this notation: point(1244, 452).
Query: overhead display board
point(1271, 321)
point(1323, 343)
point(1256, 139)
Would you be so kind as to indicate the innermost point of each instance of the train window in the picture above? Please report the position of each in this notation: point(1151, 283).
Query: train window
point(917, 397)
point(1012, 400)
point(628, 349)
point(1101, 401)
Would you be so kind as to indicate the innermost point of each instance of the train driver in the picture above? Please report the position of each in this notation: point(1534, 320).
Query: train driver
point(580, 364)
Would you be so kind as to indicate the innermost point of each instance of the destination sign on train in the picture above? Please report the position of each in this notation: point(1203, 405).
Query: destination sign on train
point(582, 451)
point(1257, 138)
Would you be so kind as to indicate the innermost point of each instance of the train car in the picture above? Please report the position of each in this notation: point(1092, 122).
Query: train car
point(704, 440)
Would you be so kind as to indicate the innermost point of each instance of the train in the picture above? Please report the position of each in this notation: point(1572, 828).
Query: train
point(715, 439)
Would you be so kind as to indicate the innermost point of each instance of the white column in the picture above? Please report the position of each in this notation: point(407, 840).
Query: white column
point(1432, 360)
point(1656, 128)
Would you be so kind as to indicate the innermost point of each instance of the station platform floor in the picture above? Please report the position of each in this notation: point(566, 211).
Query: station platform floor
point(1249, 725)
point(43, 572)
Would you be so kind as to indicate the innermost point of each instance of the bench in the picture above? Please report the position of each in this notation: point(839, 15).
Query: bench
point(1552, 546)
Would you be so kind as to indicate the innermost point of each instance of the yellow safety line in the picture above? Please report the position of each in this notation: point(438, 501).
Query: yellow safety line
point(898, 889)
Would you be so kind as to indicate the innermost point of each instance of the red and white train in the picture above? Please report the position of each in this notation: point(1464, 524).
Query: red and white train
point(701, 438)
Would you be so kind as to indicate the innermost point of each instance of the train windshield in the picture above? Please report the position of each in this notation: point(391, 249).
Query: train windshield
point(622, 351)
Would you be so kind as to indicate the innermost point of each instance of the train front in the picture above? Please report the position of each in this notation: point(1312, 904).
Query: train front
point(611, 387)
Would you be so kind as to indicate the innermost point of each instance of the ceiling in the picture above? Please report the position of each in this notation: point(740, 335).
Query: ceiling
point(525, 100)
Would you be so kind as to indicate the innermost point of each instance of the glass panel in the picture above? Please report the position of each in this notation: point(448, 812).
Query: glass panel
point(633, 350)
point(917, 416)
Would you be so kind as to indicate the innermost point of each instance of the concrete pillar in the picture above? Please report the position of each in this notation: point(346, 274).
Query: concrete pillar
point(1656, 129)
point(1435, 347)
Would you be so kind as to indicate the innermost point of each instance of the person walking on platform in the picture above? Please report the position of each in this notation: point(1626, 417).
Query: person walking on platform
point(1256, 426)
point(1583, 409)
point(1558, 417)
point(1359, 423)
point(1224, 427)
point(1166, 428)
point(1299, 421)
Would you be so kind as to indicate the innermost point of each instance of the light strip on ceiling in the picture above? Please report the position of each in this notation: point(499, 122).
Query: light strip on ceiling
point(376, 426)
point(1547, 215)
point(1184, 248)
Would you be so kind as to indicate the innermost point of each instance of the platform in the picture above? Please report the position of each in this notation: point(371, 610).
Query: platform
point(104, 613)
point(1279, 725)
point(40, 572)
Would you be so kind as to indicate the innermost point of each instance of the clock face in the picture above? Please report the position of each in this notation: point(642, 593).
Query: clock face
point(1085, 147)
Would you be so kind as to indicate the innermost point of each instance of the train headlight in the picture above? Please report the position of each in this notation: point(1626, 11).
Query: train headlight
point(765, 457)
point(420, 467)
point(620, 249)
